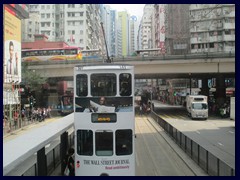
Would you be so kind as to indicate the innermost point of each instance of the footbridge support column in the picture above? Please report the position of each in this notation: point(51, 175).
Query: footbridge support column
point(220, 90)
point(41, 162)
point(205, 88)
point(63, 149)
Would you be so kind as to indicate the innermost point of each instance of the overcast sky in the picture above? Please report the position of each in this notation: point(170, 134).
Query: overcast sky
point(132, 9)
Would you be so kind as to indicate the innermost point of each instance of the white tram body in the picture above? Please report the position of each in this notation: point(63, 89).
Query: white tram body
point(104, 133)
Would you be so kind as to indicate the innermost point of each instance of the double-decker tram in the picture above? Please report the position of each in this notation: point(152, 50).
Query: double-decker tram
point(104, 120)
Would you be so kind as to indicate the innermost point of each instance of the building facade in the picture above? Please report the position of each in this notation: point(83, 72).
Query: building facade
point(177, 29)
point(123, 33)
point(76, 24)
point(212, 27)
point(146, 27)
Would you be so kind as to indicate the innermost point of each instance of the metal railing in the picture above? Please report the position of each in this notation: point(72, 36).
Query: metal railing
point(211, 164)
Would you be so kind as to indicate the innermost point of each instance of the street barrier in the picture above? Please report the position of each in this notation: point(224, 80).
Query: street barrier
point(211, 164)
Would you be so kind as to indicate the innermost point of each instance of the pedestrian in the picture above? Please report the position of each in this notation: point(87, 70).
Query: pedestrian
point(141, 110)
point(15, 118)
point(69, 161)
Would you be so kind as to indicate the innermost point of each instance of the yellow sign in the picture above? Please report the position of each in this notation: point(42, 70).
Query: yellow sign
point(103, 119)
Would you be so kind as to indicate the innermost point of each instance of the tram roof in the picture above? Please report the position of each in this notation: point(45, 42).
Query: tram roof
point(104, 66)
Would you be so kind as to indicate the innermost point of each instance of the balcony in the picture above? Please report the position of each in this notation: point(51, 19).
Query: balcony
point(215, 38)
point(229, 37)
point(229, 25)
point(229, 48)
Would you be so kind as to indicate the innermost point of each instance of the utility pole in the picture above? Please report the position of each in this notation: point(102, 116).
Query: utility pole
point(108, 58)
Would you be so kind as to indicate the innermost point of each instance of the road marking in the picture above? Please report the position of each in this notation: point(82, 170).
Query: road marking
point(220, 144)
point(231, 132)
point(198, 132)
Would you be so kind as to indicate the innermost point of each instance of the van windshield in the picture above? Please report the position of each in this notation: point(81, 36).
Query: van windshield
point(199, 106)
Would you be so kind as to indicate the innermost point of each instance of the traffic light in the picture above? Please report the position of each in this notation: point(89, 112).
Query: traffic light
point(31, 100)
point(34, 101)
point(175, 93)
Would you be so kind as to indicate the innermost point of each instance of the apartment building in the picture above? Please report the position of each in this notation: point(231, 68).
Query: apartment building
point(212, 28)
point(146, 27)
point(76, 24)
point(122, 33)
point(177, 37)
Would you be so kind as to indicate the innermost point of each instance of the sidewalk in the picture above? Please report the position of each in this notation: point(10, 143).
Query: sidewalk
point(24, 128)
point(161, 104)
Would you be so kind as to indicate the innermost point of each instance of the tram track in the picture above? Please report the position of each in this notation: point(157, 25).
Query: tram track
point(170, 157)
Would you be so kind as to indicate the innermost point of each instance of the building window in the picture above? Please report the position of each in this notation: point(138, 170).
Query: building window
point(227, 32)
point(71, 5)
point(211, 45)
point(85, 142)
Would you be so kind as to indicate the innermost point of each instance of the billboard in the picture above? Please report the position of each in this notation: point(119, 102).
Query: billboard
point(12, 47)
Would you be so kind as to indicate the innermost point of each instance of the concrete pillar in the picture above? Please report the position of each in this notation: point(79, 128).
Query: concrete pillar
point(205, 88)
point(220, 90)
point(63, 149)
point(190, 85)
point(41, 162)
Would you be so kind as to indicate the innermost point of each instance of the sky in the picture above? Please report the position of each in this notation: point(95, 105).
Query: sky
point(132, 9)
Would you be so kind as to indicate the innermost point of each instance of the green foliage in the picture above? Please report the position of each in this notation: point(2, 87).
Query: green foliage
point(31, 78)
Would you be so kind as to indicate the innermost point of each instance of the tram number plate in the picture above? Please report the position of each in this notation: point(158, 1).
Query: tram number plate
point(103, 117)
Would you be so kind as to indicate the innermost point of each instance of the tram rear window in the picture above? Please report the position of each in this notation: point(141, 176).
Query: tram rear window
point(104, 143)
point(124, 142)
point(103, 84)
point(104, 117)
point(125, 80)
point(81, 85)
point(85, 142)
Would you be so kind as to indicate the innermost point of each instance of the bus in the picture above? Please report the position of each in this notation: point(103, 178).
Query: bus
point(104, 120)
point(66, 105)
point(65, 53)
point(91, 54)
point(58, 54)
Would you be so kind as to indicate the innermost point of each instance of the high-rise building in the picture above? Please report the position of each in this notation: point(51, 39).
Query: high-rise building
point(146, 27)
point(123, 34)
point(159, 27)
point(113, 33)
point(30, 27)
point(212, 28)
point(133, 25)
point(177, 28)
point(76, 24)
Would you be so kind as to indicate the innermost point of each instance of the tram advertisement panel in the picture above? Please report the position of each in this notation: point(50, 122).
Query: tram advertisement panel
point(110, 164)
point(103, 104)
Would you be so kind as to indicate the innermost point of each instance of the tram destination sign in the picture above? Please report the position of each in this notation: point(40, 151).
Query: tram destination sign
point(104, 117)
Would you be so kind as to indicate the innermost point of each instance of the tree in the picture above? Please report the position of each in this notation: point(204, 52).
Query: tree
point(31, 78)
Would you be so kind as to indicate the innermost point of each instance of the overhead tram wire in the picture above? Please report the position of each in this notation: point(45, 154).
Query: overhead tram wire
point(108, 58)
